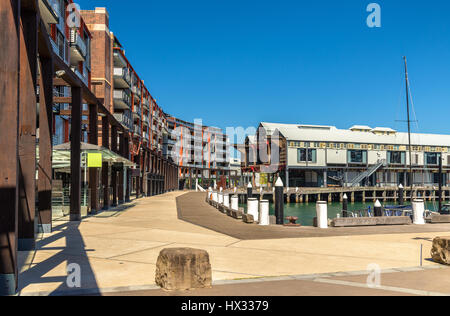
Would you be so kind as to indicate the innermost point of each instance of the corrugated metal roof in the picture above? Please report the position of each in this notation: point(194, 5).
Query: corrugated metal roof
point(315, 133)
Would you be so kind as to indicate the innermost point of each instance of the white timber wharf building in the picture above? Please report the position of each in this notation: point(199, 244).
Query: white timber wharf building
point(325, 156)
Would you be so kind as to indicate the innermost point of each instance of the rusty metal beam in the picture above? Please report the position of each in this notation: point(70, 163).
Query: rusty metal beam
point(27, 129)
point(93, 172)
point(75, 155)
point(45, 145)
point(9, 114)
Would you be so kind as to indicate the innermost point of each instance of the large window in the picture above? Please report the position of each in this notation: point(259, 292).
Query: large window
point(357, 156)
point(431, 158)
point(397, 157)
point(306, 155)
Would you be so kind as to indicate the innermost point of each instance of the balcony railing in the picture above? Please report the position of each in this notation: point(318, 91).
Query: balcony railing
point(77, 42)
point(124, 119)
point(122, 77)
point(122, 98)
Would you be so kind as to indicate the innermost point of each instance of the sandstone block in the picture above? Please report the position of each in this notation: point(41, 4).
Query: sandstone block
point(183, 269)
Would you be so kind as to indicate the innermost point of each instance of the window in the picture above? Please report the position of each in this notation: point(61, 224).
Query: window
point(397, 157)
point(431, 158)
point(357, 156)
point(306, 155)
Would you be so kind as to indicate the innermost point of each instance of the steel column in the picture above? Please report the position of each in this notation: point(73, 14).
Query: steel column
point(9, 114)
point(75, 155)
point(27, 130)
point(45, 145)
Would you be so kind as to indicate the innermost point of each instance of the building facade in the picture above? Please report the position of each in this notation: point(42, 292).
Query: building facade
point(321, 156)
point(201, 152)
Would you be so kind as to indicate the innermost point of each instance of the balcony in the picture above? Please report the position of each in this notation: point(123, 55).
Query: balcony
point(124, 119)
point(119, 60)
point(122, 99)
point(122, 78)
point(145, 120)
point(146, 104)
point(137, 93)
point(78, 48)
point(48, 10)
point(137, 112)
point(137, 130)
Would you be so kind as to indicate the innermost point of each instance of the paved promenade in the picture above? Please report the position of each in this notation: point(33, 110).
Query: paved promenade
point(117, 250)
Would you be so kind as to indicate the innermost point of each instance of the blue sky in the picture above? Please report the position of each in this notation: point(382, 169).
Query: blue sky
point(239, 62)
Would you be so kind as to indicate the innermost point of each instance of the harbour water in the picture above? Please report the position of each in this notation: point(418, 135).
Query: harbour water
point(307, 212)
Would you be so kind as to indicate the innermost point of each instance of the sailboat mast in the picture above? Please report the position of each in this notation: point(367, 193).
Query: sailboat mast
point(411, 177)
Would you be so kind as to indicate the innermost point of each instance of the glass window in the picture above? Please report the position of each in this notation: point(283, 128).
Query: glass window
point(306, 155)
point(396, 157)
point(431, 158)
point(357, 156)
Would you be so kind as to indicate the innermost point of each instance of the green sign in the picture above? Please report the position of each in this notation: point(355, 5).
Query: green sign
point(94, 160)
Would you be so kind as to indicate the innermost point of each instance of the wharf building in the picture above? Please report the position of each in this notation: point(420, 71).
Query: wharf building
point(325, 156)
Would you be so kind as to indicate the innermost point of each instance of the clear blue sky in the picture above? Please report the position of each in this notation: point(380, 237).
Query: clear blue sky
point(239, 62)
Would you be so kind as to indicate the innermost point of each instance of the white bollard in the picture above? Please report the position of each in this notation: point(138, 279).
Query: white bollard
point(252, 208)
point(226, 200)
point(235, 203)
point(418, 207)
point(220, 197)
point(215, 197)
point(265, 216)
point(322, 214)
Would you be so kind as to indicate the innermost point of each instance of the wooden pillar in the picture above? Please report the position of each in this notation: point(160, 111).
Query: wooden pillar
point(45, 146)
point(93, 172)
point(105, 165)
point(27, 130)
point(75, 155)
point(9, 114)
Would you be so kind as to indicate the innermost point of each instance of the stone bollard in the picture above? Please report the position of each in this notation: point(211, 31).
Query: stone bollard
point(264, 213)
point(418, 207)
point(183, 269)
point(235, 203)
point(441, 250)
point(226, 200)
point(322, 214)
point(252, 208)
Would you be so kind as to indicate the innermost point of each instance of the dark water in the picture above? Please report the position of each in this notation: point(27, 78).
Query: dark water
point(307, 212)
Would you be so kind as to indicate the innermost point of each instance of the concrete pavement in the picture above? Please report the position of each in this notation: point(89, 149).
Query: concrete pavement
point(118, 250)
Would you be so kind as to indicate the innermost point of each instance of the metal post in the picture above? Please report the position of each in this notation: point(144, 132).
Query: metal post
point(440, 183)
point(378, 211)
point(75, 155)
point(93, 172)
point(401, 195)
point(249, 191)
point(279, 201)
point(45, 146)
point(9, 114)
point(345, 206)
point(27, 130)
